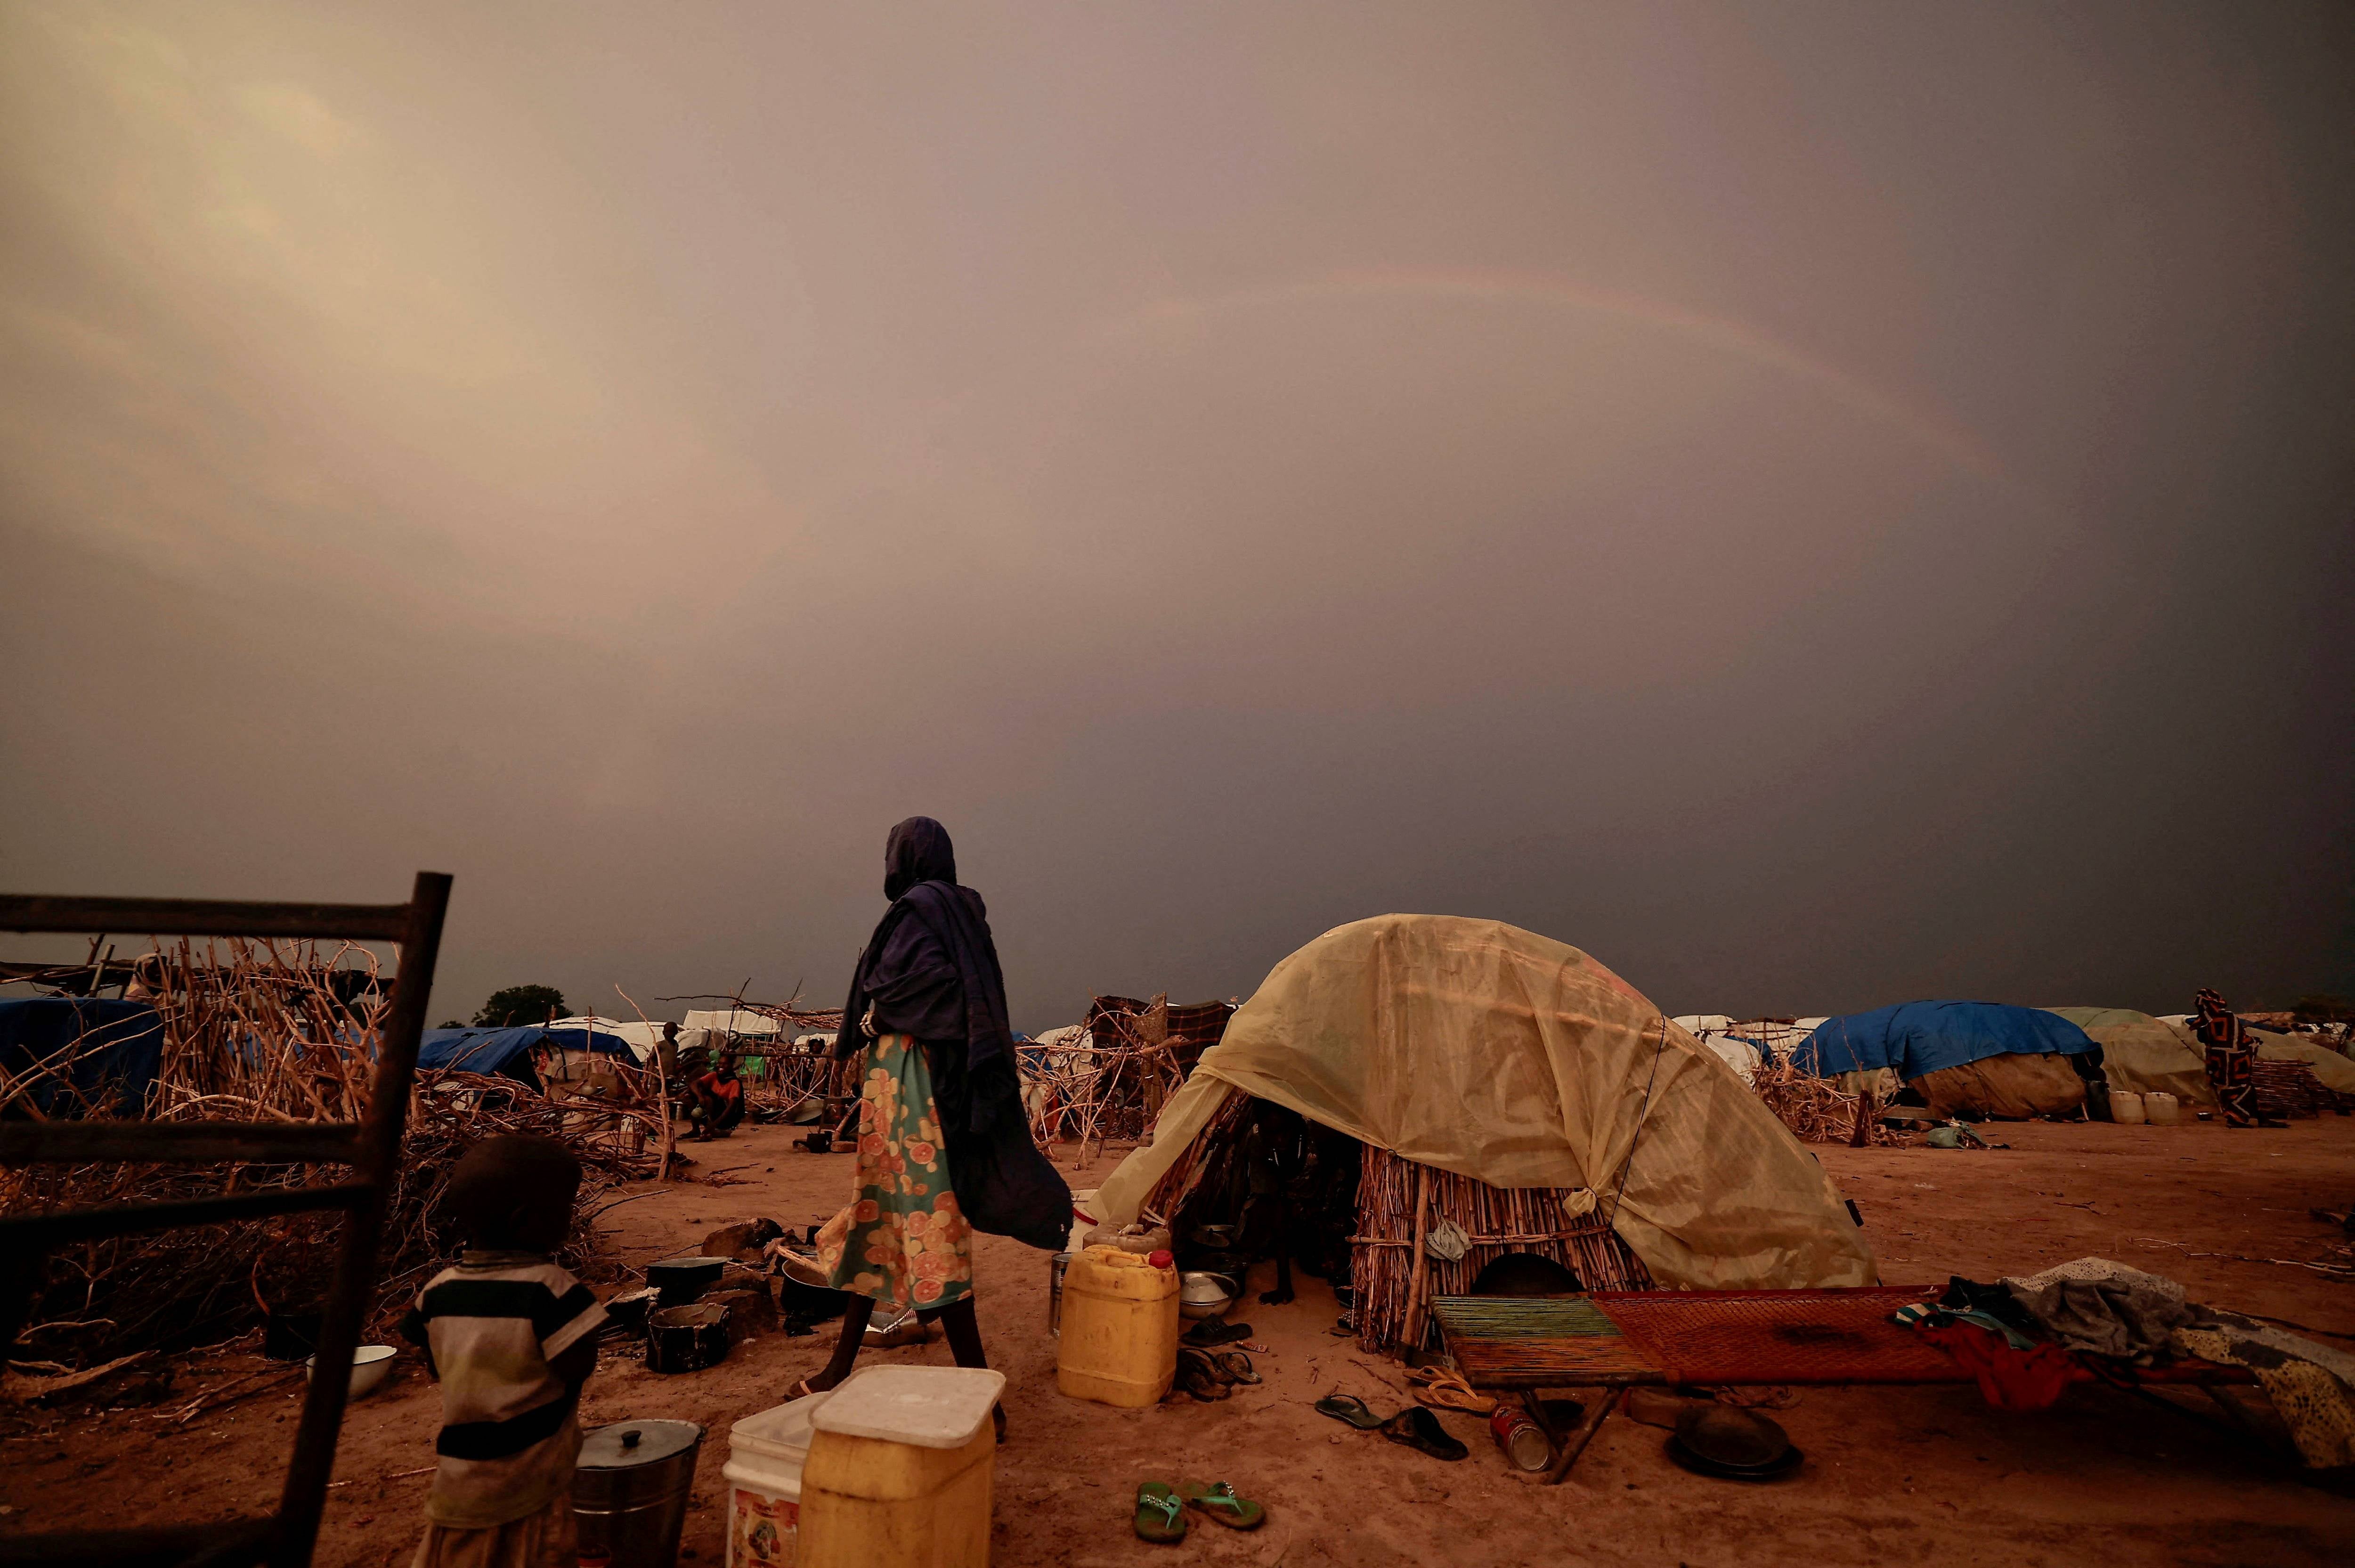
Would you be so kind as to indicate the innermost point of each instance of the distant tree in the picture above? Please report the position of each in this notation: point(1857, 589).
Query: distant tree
point(522, 1005)
point(451, 1023)
point(2321, 1007)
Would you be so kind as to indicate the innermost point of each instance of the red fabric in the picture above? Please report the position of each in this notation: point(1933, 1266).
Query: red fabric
point(2008, 1379)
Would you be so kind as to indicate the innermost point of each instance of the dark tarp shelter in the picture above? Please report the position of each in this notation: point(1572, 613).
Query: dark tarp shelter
point(507, 1051)
point(71, 1055)
point(1998, 1061)
point(1917, 1038)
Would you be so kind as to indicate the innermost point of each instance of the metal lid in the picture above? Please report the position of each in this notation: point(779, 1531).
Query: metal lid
point(629, 1443)
point(688, 1264)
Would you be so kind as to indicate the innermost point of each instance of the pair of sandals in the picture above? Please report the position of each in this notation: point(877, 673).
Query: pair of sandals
point(1415, 1426)
point(1161, 1508)
point(1208, 1375)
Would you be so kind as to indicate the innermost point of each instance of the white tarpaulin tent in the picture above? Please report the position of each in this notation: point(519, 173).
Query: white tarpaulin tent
point(1502, 1055)
point(640, 1038)
point(730, 1020)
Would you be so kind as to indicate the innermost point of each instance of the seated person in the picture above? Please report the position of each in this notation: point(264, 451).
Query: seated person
point(716, 1098)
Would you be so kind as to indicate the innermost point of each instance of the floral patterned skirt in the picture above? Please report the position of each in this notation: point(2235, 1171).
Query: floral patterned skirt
point(903, 1239)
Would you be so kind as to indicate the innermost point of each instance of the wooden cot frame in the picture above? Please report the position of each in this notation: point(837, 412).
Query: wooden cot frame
point(370, 1146)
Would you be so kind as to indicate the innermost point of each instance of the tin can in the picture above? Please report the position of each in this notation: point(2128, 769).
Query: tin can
point(1523, 1441)
point(1057, 1267)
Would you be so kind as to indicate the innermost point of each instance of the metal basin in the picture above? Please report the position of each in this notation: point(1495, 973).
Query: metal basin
point(1202, 1293)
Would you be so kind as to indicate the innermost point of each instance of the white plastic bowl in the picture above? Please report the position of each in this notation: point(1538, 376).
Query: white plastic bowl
point(371, 1364)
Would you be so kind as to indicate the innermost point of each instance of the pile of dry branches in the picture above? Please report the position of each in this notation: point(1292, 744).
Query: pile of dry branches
point(1816, 1109)
point(1109, 1077)
point(259, 1032)
point(779, 1076)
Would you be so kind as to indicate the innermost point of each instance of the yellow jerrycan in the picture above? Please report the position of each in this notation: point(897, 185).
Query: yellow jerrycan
point(902, 1465)
point(1119, 1343)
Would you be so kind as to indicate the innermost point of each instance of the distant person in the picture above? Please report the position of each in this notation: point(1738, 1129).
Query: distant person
point(512, 1336)
point(717, 1102)
point(943, 1146)
point(2232, 1062)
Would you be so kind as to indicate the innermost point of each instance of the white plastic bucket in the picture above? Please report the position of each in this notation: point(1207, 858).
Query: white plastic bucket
point(2126, 1108)
point(2161, 1107)
point(765, 1454)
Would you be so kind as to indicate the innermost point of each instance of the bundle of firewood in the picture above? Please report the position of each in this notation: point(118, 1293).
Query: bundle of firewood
point(283, 1032)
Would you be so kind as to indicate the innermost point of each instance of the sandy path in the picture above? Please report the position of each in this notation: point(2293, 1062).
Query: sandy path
point(1897, 1476)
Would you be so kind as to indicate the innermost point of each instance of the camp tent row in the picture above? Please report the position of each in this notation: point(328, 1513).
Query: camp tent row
point(2001, 1061)
point(2147, 1055)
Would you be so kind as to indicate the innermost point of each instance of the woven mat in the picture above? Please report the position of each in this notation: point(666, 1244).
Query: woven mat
point(1781, 1336)
point(1523, 1342)
point(1692, 1337)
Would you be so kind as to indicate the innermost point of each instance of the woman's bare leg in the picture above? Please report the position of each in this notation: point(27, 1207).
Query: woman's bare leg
point(856, 1311)
point(961, 1326)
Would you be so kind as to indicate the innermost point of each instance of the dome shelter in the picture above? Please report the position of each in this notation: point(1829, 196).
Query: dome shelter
point(1517, 1063)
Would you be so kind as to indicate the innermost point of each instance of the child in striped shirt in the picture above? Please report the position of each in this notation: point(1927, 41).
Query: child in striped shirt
point(512, 1336)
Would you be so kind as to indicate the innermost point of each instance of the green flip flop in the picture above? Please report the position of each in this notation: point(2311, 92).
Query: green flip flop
point(1348, 1407)
point(1217, 1499)
point(1160, 1514)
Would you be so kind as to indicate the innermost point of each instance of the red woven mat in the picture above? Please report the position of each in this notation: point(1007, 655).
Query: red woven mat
point(1780, 1335)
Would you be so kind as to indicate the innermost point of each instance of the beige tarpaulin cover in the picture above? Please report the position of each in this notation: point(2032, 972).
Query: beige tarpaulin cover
point(1506, 1056)
point(2145, 1055)
point(2336, 1072)
point(2011, 1087)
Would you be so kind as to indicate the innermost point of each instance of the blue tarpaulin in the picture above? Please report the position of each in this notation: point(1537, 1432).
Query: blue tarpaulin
point(74, 1054)
point(509, 1051)
point(1918, 1037)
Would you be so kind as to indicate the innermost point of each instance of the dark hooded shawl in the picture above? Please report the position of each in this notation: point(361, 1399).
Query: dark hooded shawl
point(930, 971)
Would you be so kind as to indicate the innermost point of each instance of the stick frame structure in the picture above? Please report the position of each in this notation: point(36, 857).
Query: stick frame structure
point(371, 1147)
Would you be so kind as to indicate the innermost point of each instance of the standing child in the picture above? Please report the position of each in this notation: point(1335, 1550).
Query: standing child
point(512, 1338)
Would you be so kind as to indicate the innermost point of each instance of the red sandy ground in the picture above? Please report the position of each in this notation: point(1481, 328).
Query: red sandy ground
point(1894, 1476)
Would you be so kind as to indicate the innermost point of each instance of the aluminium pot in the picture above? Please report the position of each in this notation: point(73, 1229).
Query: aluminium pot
point(630, 1491)
point(687, 1339)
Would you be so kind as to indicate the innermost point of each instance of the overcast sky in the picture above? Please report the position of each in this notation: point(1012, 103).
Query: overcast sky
point(1817, 506)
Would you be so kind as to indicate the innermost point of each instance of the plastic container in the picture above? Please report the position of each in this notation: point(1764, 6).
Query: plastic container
point(630, 1491)
point(2126, 1108)
point(2162, 1109)
point(902, 1469)
point(765, 1455)
point(1119, 1344)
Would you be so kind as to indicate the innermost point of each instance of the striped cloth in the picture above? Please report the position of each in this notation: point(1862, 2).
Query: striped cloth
point(509, 1439)
point(2232, 1057)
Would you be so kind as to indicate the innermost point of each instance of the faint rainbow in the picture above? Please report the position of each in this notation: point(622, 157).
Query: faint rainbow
point(1936, 431)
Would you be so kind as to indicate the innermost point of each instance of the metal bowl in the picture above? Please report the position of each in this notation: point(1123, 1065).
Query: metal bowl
point(1204, 1294)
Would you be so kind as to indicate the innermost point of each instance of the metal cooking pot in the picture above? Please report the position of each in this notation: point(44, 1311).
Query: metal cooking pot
point(630, 1491)
point(687, 1339)
point(804, 1290)
point(682, 1280)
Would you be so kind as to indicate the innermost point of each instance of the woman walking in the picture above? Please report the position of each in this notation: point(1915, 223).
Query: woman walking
point(2232, 1062)
point(943, 1146)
